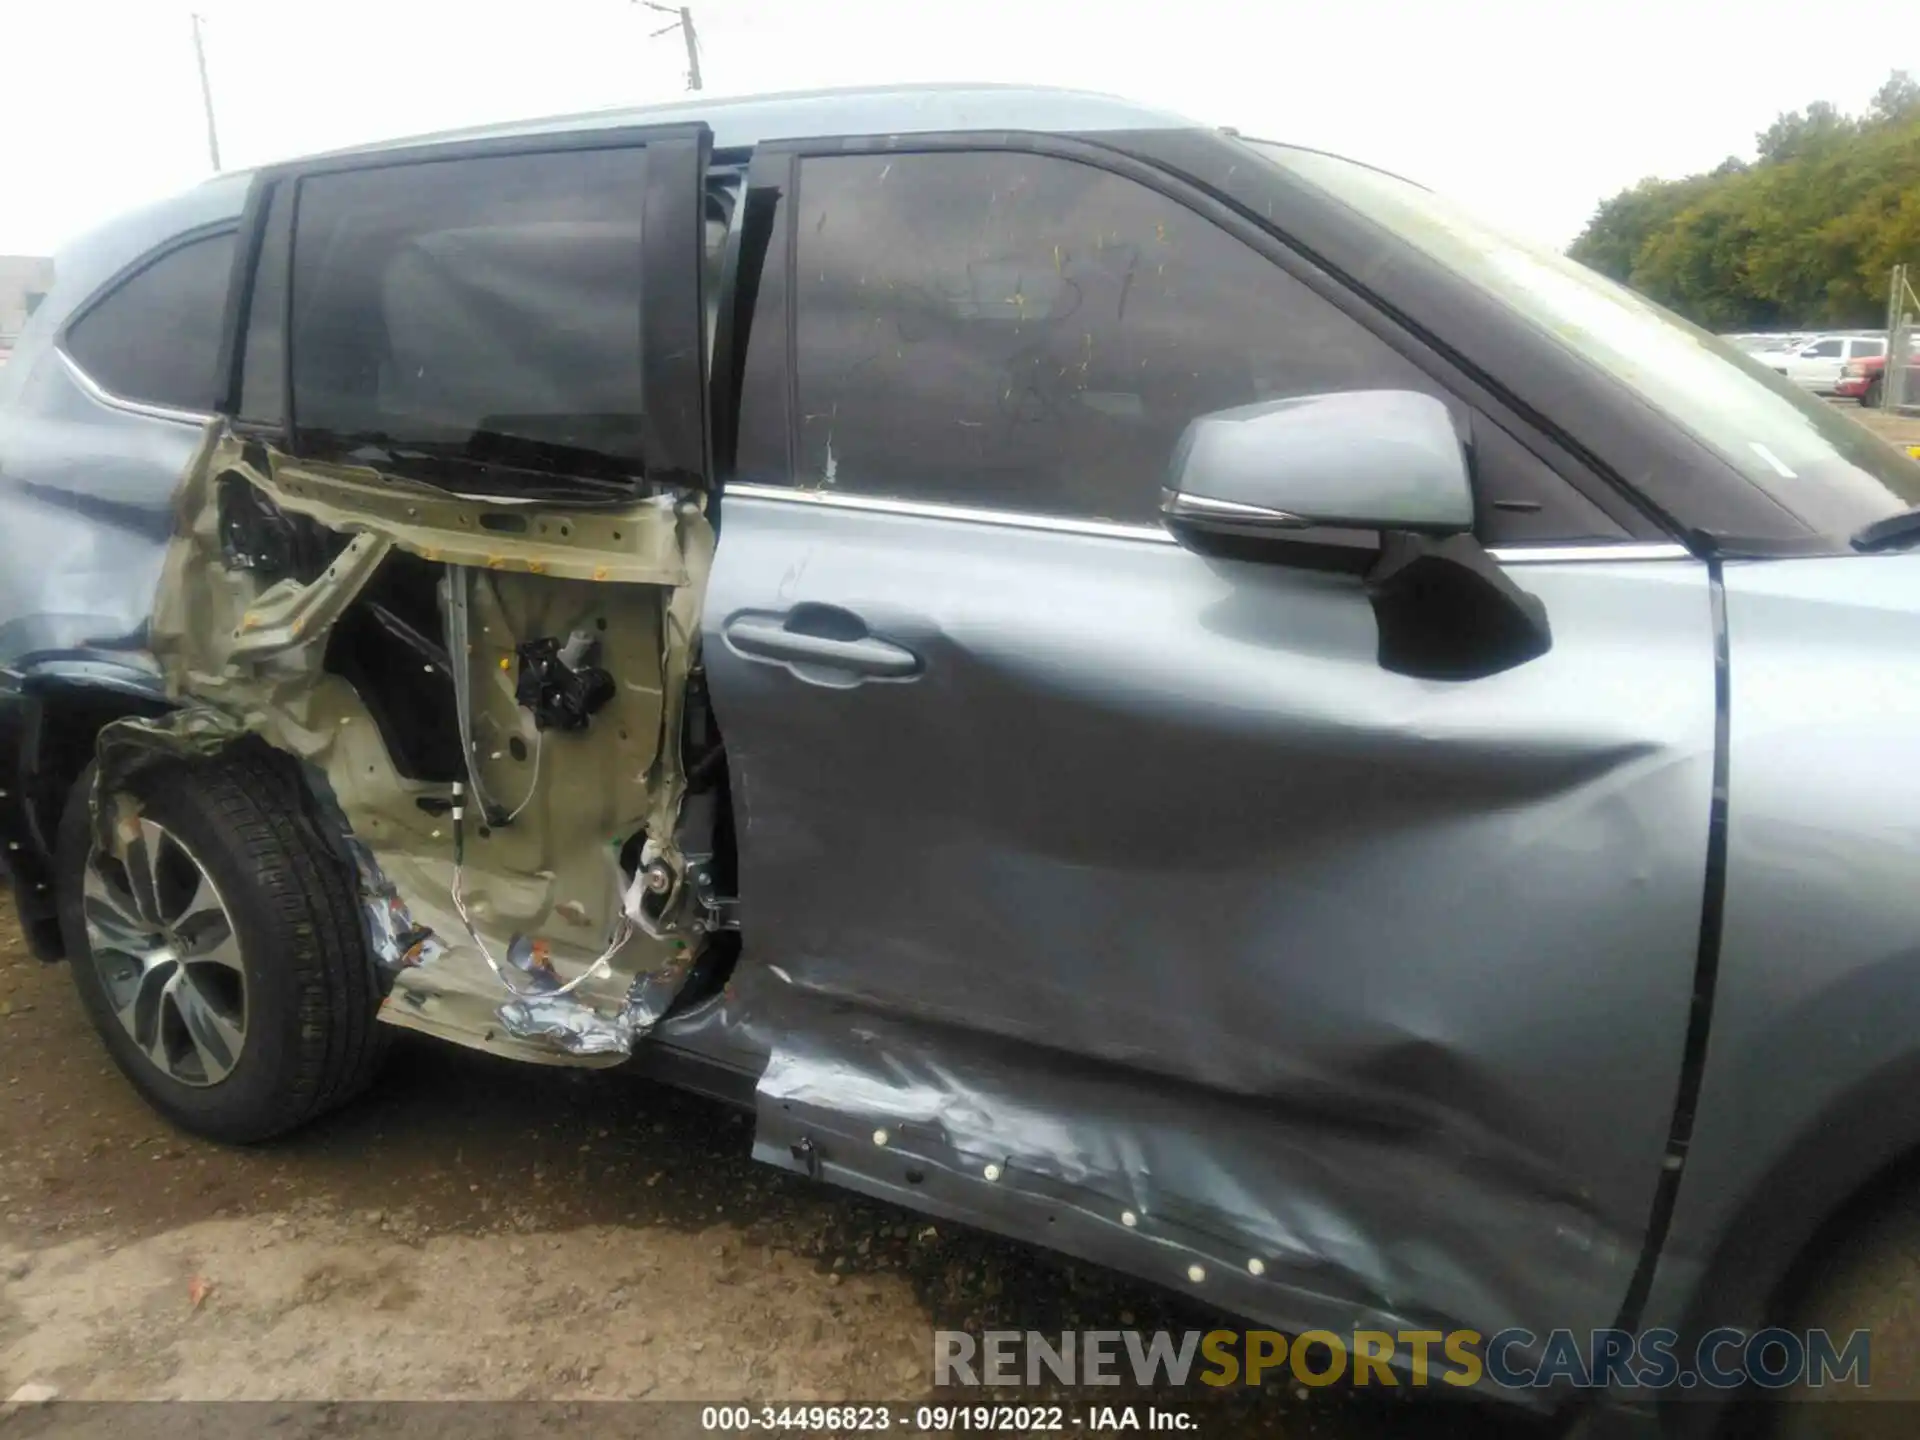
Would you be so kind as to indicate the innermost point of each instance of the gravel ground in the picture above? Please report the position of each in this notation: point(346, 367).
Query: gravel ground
point(480, 1229)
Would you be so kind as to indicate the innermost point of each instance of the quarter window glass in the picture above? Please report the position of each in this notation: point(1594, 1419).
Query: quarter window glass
point(156, 336)
point(1027, 333)
point(473, 319)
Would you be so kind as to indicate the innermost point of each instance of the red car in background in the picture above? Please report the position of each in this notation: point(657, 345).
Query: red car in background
point(1865, 380)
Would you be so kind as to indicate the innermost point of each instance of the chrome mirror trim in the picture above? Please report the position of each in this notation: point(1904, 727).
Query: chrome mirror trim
point(1206, 511)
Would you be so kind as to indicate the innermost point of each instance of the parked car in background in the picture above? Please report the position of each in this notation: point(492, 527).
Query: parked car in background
point(1865, 380)
point(1819, 364)
point(1765, 342)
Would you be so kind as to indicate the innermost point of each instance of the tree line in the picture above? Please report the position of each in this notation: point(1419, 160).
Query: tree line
point(1803, 236)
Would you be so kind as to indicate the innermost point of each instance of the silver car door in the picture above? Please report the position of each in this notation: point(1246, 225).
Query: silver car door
point(1119, 897)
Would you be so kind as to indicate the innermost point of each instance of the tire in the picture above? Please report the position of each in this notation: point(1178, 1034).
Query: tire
point(268, 1022)
point(1868, 1280)
point(1875, 392)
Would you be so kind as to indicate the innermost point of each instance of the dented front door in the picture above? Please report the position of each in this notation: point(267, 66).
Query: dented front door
point(1119, 898)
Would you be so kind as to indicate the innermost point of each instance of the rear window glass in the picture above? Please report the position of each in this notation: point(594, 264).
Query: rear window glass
point(481, 315)
point(156, 336)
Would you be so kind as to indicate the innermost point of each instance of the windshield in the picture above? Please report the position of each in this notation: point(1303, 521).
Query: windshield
point(1816, 461)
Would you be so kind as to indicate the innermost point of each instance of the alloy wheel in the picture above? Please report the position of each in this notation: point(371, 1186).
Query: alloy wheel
point(164, 949)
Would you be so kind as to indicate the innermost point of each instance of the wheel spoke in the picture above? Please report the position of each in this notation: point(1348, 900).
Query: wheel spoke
point(140, 1011)
point(215, 1038)
point(209, 938)
point(113, 912)
point(201, 908)
point(143, 871)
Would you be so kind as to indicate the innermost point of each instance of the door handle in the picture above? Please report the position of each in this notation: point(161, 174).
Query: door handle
point(772, 637)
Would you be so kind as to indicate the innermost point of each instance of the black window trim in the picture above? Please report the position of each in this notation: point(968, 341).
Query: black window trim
point(233, 326)
point(781, 162)
point(688, 452)
point(133, 405)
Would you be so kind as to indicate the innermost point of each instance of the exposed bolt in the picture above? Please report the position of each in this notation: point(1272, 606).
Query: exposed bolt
point(1196, 1273)
point(659, 878)
point(880, 1137)
point(992, 1172)
point(1129, 1219)
point(1256, 1266)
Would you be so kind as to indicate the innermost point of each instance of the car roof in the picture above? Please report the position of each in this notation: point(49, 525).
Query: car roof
point(737, 123)
point(878, 110)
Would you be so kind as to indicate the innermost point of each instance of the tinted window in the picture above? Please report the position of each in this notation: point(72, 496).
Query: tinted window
point(1027, 333)
point(1805, 454)
point(469, 313)
point(263, 361)
point(156, 336)
point(1825, 350)
point(1869, 347)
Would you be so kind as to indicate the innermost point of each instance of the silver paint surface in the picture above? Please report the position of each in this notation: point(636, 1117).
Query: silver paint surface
point(87, 485)
point(1155, 891)
point(1819, 979)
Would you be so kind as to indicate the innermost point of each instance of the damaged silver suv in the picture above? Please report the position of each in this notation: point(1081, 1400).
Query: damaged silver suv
point(1159, 693)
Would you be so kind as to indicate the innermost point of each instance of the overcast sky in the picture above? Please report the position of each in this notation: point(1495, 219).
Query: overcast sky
point(1529, 110)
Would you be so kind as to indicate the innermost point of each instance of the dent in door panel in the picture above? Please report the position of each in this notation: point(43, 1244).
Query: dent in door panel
point(1155, 892)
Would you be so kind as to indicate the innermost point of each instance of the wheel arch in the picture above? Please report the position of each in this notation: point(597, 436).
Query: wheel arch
point(50, 718)
point(1846, 1163)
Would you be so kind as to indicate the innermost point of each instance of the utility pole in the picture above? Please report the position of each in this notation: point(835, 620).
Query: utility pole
point(1901, 354)
point(206, 94)
point(683, 22)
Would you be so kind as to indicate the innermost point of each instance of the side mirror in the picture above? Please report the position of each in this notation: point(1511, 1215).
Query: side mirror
point(1362, 459)
point(1247, 480)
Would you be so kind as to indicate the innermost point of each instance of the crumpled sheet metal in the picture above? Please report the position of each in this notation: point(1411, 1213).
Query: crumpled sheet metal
point(244, 659)
point(1105, 1162)
point(396, 940)
point(588, 1033)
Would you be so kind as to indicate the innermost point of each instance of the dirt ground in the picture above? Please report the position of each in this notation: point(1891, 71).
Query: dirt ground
point(477, 1229)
